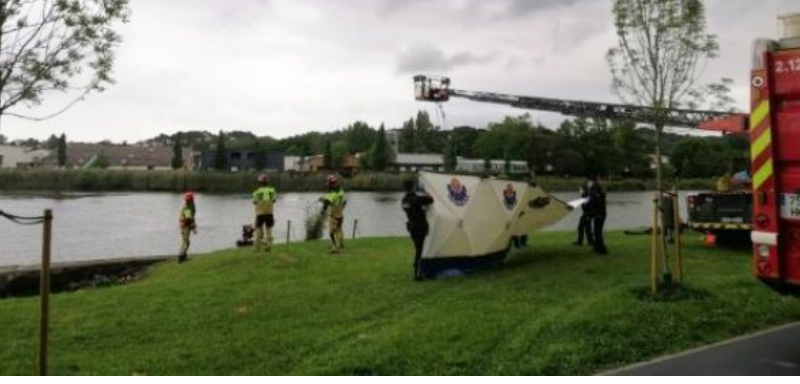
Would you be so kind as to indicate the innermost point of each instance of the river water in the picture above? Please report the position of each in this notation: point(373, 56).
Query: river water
point(103, 226)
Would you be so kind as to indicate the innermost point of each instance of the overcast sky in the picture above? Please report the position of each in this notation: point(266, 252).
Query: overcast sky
point(283, 67)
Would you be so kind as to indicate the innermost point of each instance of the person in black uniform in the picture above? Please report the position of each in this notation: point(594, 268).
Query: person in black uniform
point(414, 205)
point(597, 209)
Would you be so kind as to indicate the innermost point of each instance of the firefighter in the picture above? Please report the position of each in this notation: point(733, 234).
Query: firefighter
point(414, 205)
point(725, 183)
point(188, 225)
point(264, 198)
point(334, 202)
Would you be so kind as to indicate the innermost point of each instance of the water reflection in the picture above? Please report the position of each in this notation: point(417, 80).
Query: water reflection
point(92, 226)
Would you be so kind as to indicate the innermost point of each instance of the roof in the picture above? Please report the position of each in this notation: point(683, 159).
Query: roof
point(418, 159)
point(118, 155)
point(13, 155)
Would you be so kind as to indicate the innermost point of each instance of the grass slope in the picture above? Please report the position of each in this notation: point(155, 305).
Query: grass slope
point(555, 309)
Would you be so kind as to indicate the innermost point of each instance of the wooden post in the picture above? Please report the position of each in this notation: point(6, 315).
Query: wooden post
point(654, 248)
point(678, 241)
point(288, 231)
point(44, 293)
point(355, 227)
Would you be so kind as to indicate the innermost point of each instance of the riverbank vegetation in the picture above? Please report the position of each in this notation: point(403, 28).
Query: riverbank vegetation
point(552, 309)
point(99, 180)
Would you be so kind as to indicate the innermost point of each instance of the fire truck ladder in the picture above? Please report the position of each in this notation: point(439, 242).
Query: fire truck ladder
point(437, 89)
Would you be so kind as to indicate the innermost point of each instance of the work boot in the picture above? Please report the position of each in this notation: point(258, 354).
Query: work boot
point(182, 258)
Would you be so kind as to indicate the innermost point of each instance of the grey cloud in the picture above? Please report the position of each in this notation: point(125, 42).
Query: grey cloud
point(427, 58)
point(525, 7)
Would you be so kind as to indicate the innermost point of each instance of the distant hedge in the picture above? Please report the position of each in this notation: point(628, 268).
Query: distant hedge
point(96, 180)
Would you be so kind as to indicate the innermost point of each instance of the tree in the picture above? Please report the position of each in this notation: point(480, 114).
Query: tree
point(51, 142)
point(511, 135)
point(339, 151)
point(65, 46)
point(450, 154)
point(359, 136)
point(506, 161)
point(662, 48)
point(177, 151)
point(419, 135)
point(62, 150)
point(541, 149)
point(463, 139)
point(100, 161)
point(327, 158)
point(408, 141)
point(221, 154)
point(260, 149)
point(568, 162)
point(631, 150)
point(380, 155)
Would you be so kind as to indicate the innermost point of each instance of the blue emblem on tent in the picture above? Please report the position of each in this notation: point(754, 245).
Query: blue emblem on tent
point(457, 192)
point(509, 197)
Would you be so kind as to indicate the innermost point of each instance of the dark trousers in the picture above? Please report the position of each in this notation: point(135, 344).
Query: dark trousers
point(599, 244)
point(418, 234)
point(585, 227)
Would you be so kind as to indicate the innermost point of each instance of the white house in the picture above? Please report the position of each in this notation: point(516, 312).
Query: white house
point(21, 157)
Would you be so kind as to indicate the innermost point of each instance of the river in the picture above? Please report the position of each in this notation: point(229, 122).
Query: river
point(104, 226)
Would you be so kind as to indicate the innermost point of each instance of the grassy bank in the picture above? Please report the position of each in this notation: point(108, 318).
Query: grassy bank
point(170, 181)
point(555, 309)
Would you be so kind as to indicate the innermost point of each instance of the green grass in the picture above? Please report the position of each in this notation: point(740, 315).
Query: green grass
point(556, 309)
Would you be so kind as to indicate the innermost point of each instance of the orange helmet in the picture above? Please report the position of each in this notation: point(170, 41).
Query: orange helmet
point(188, 196)
point(331, 180)
point(263, 178)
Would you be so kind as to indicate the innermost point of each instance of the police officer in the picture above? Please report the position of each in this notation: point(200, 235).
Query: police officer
point(334, 202)
point(264, 198)
point(414, 205)
point(186, 221)
point(596, 205)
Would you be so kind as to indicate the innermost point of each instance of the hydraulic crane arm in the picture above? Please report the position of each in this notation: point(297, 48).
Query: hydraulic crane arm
point(437, 89)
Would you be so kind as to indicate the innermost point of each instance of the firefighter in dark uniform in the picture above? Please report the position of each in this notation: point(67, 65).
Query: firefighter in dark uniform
point(187, 223)
point(414, 206)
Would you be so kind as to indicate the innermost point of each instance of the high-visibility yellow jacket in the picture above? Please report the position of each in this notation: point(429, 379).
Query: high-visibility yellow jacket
point(263, 199)
point(335, 200)
point(187, 216)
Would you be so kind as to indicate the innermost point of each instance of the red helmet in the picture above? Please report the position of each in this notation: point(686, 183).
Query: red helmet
point(188, 196)
point(331, 180)
point(263, 178)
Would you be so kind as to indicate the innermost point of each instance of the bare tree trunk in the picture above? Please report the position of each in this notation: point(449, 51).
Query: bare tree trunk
point(663, 257)
point(659, 165)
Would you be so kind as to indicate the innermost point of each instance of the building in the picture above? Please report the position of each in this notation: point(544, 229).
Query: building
point(109, 156)
point(413, 162)
point(239, 160)
point(351, 163)
point(21, 157)
point(295, 163)
point(516, 167)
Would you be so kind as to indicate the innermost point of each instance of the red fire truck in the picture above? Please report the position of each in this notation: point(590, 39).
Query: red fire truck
point(775, 155)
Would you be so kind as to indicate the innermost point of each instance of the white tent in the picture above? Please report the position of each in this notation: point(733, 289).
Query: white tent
point(472, 220)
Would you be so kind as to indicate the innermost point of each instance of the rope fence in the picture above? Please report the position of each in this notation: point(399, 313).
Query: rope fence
point(44, 281)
